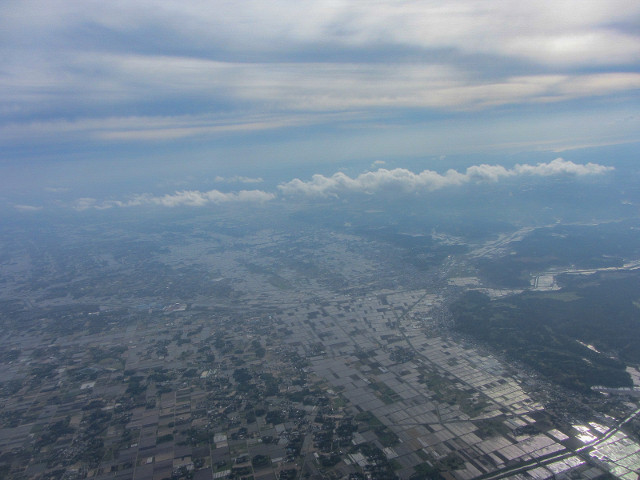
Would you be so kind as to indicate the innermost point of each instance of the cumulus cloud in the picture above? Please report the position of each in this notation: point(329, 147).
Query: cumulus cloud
point(372, 182)
point(195, 198)
point(562, 167)
point(428, 180)
point(188, 198)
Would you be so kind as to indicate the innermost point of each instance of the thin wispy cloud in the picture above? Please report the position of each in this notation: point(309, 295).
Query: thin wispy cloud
point(164, 71)
point(238, 179)
point(28, 208)
point(401, 179)
point(56, 189)
point(545, 31)
point(151, 128)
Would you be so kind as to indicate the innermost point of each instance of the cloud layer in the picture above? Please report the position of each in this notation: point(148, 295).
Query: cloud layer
point(428, 180)
point(381, 180)
point(116, 72)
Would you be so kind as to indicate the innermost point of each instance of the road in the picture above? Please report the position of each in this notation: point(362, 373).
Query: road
point(542, 461)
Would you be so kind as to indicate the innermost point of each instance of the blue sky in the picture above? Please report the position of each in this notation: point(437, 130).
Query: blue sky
point(106, 92)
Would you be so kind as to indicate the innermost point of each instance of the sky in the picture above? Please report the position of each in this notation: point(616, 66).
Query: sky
point(96, 94)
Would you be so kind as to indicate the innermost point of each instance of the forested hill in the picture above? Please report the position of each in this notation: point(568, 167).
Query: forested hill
point(580, 336)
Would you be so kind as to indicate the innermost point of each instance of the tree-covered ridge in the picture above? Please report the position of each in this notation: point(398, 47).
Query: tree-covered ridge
point(580, 246)
point(553, 331)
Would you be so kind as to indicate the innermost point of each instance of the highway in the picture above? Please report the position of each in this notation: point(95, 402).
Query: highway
point(542, 461)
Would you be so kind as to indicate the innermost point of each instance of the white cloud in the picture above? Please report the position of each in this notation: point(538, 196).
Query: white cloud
point(348, 76)
point(561, 167)
point(582, 32)
point(281, 94)
point(27, 208)
point(238, 179)
point(543, 32)
point(397, 179)
point(157, 128)
point(302, 86)
point(189, 198)
point(56, 189)
point(85, 203)
point(196, 198)
point(428, 180)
